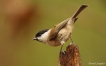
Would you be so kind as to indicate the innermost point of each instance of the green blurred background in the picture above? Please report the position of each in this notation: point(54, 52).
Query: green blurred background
point(20, 20)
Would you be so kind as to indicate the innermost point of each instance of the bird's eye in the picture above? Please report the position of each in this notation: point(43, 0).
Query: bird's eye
point(40, 34)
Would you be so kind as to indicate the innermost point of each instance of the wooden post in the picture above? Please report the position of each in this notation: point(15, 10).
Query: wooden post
point(70, 57)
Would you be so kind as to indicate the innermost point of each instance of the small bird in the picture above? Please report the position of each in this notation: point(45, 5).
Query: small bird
point(61, 32)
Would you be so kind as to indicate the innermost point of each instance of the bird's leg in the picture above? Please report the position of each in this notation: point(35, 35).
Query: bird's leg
point(62, 43)
point(61, 48)
point(71, 39)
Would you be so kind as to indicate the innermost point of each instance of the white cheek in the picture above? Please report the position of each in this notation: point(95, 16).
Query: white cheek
point(39, 38)
point(44, 37)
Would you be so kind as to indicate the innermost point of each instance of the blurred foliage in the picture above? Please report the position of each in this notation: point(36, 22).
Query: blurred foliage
point(16, 33)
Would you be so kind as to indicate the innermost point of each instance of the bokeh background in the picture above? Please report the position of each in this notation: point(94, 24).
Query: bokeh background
point(20, 20)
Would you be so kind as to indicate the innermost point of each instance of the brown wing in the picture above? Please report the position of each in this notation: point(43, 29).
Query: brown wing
point(57, 28)
point(61, 25)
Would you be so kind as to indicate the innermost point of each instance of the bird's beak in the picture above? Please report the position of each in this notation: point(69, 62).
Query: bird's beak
point(34, 39)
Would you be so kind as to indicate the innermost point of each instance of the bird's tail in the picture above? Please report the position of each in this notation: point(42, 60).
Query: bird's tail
point(80, 9)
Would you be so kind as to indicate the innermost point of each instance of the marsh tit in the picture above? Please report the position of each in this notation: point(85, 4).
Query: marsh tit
point(61, 32)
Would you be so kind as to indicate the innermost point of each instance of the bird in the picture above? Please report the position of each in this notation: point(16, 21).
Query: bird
point(60, 33)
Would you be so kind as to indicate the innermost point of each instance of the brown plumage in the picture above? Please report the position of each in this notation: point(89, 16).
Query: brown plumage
point(61, 32)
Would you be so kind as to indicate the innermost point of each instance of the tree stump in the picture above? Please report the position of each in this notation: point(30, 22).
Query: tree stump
point(70, 57)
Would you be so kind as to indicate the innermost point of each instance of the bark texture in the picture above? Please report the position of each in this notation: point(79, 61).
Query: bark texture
point(70, 57)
